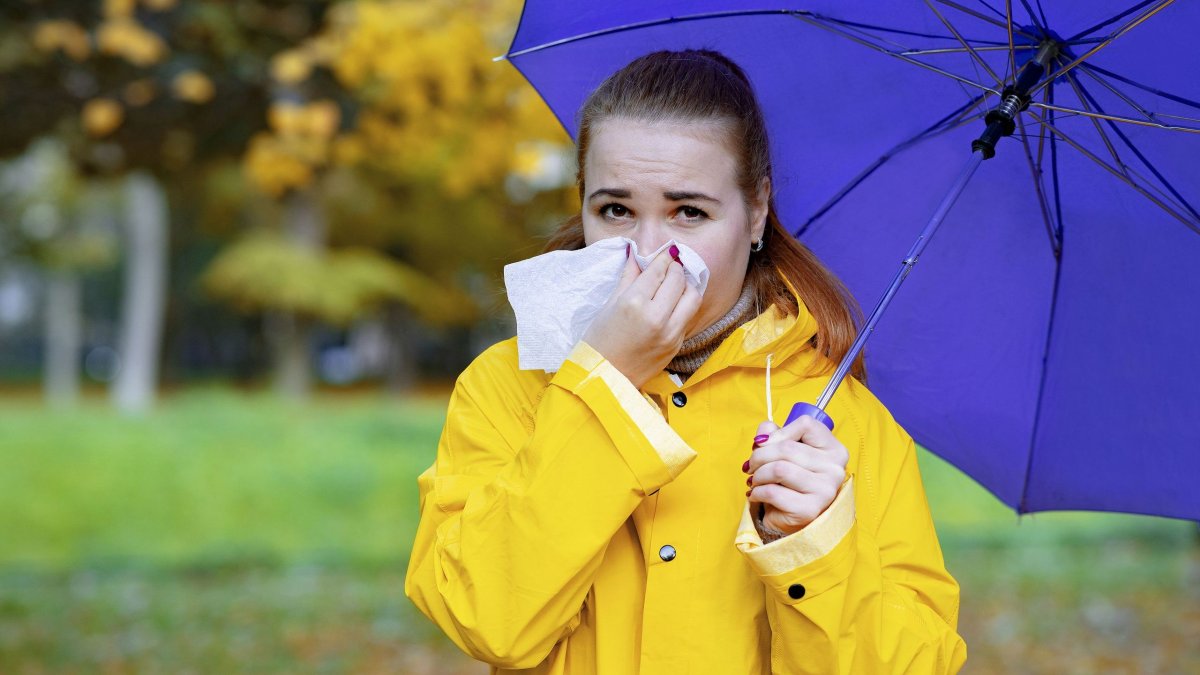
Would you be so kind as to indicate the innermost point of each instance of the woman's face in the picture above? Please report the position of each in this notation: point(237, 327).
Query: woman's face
point(657, 181)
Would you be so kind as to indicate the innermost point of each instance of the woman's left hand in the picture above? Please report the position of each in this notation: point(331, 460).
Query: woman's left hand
point(795, 473)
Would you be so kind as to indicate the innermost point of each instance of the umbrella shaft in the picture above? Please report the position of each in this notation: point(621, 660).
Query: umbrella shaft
point(905, 267)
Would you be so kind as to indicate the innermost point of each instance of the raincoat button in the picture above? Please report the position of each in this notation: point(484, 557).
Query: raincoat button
point(795, 591)
point(679, 399)
point(667, 553)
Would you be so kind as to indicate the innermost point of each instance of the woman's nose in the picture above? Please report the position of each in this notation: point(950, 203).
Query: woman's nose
point(650, 239)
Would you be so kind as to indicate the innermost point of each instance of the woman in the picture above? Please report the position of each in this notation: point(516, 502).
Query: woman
point(597, 520)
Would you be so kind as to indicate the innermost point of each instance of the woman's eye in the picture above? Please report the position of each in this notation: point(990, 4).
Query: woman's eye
point(692, 213)
point(614, 210)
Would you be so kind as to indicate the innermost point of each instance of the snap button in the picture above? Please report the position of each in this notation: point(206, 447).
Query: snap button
point(667, 553)
point(679, 399)
point(796, 591)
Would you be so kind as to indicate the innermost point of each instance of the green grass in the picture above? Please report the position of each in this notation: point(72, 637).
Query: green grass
point(231, 532)
point(213, 476)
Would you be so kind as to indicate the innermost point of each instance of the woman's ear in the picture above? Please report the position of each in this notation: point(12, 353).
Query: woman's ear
point(758, 212)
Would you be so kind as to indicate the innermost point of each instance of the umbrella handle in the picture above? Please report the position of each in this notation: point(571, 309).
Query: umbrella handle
point(812, 411)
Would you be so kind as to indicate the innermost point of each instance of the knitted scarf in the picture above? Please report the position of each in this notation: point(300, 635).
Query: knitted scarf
point(696, 349)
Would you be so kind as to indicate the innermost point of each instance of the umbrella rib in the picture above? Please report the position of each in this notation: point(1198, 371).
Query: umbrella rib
point(1086, 97)
point(1118, 118)
point(1136, 21)
point(643, 24)
point(1036, 173)
point(1118, 93)
point(1058, 133)
point(816, 20)
point(1037, 410)
point(1157, 92)
point(994, 10)
point(1114, 19)
point(960, 50)
point(985, 18)
point(1033, 16)
point(862, 30)
point(955, 119)
point(974, 54)
point(1058, 216)
point(1071, 79)
point(1011, 66)
point(885, 29)
point(1042, 136)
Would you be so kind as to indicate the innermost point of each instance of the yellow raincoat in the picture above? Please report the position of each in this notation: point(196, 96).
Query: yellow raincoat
point(572, 524)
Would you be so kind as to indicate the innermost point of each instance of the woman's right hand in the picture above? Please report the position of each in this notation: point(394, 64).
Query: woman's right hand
point(642, 326)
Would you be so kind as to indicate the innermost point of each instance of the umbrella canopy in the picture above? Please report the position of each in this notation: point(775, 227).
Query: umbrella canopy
point(1048, 343)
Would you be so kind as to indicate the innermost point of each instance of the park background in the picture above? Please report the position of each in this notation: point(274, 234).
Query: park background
point(245, 247)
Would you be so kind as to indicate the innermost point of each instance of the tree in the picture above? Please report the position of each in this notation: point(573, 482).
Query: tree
point(43, 219)
point(150, 90)
point(395, 127)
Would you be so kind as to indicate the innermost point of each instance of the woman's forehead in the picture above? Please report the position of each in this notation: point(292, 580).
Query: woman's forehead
point(666, 155)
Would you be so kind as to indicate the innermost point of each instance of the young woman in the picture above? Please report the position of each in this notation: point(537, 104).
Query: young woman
point(597, 520)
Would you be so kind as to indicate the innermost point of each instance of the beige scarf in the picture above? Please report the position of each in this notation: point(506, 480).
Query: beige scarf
point(696, 349)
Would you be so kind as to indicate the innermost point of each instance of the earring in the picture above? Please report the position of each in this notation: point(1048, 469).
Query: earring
point(757, 246)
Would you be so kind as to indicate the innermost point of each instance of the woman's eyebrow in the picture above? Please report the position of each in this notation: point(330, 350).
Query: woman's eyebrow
point(673, 196)
point(695, 196)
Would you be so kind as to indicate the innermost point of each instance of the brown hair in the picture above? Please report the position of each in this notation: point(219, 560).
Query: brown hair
point(705, 86)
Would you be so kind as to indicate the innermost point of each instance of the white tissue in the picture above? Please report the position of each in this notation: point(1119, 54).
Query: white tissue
point(556, 295)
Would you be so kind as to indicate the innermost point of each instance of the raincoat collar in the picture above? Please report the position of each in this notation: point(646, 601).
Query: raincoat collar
point(770, 334)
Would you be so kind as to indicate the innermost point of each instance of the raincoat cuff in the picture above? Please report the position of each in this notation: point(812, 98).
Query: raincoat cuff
point(806, 562)
point(652, 449)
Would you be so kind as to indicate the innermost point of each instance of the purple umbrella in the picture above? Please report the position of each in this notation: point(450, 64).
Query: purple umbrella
point(1049, 345)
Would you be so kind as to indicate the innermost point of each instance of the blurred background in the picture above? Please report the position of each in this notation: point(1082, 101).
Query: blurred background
point(245, 248)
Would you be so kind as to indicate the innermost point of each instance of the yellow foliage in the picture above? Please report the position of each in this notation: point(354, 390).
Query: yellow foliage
point(291, 67)
point(285, 117)
point(159, 5)
point(68, 36)
point(302, 142)
point(102, 116)
point(321, 118)
point(268, 272)
point(434, 105)
point(348, 149)
point(193, 86)
point(431, 105)
point(118, 9)
point(130, 40)
point(272, 168)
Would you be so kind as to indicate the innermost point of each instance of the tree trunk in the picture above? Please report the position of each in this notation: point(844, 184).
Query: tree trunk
point(64, 335)
point(143, 299)
point(400, 367)
point(290, 335)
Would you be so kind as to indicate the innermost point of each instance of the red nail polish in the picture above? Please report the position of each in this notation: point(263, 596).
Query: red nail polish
point(748, 492)
point(626, 250)
point(746, 466)
point(674, 251)
point(750, 480)
point(760, 439)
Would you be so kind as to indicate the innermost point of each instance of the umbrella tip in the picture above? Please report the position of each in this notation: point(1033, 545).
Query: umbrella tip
point(502, 57)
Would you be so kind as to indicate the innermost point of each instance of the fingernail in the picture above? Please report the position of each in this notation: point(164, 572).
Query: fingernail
point(748, 492)
point(674, 251)
point(626, 250)
point(760, 439)
point(750, 480)
point(746, 466)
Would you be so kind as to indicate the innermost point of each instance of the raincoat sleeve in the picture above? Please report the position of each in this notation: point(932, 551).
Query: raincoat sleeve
point(863, 588)
point(524, 496)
